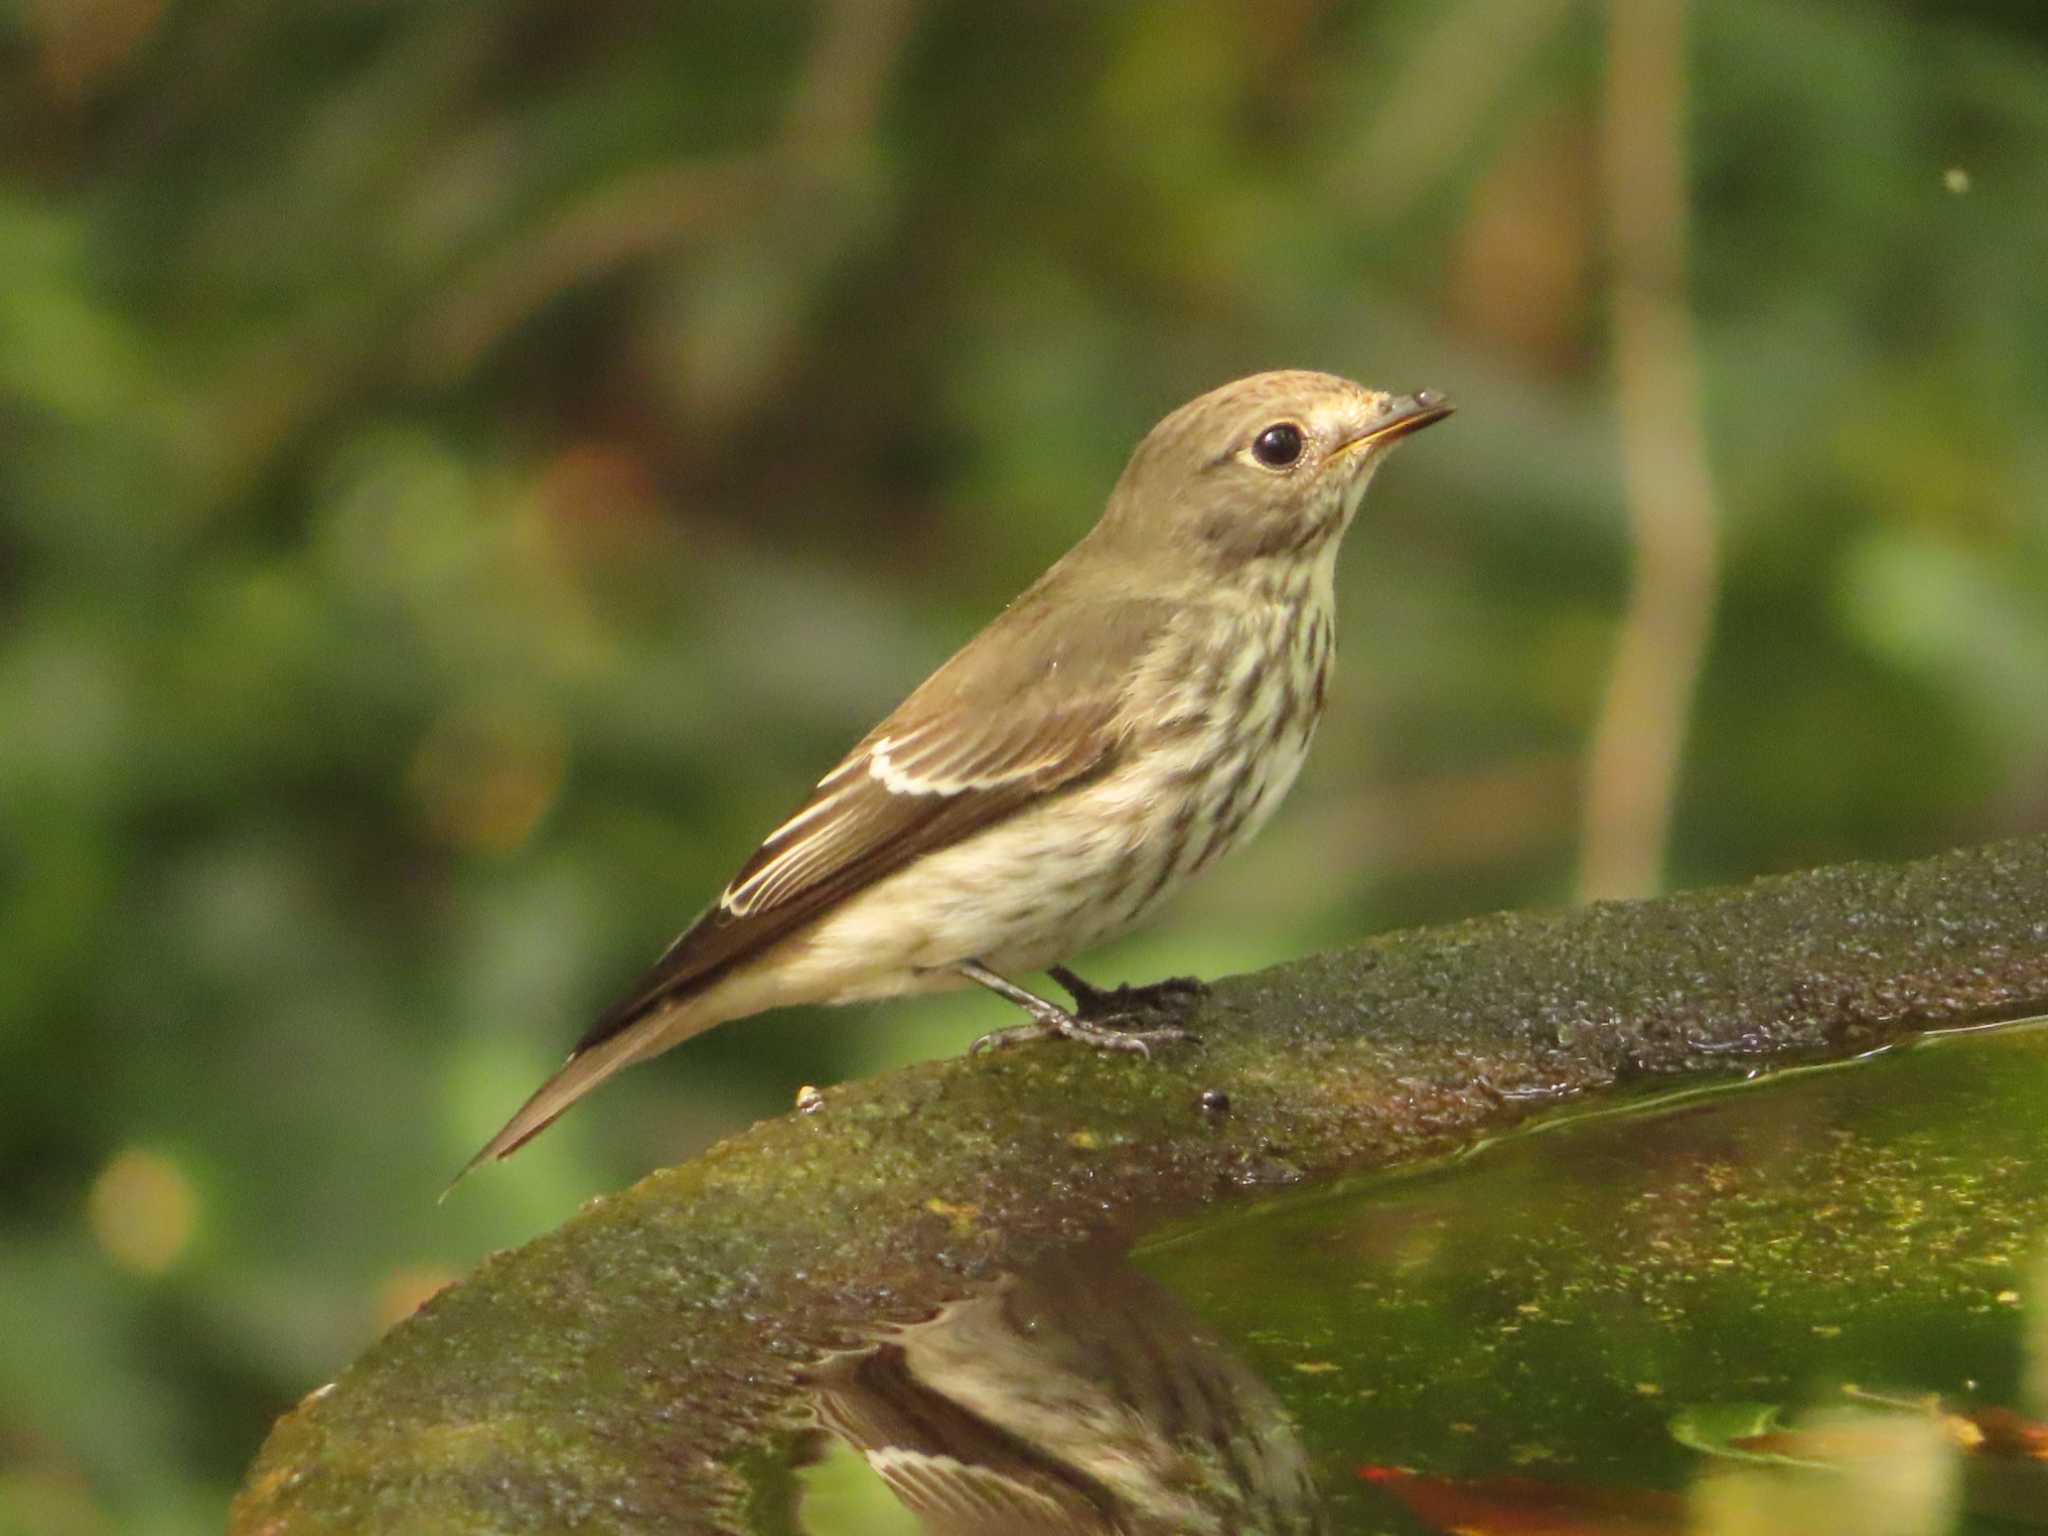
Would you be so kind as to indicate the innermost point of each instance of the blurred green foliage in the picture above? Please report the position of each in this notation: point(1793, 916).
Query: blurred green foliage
point(464, 470)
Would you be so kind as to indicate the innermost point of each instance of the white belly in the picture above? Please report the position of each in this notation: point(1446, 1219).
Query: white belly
point(1054, 881)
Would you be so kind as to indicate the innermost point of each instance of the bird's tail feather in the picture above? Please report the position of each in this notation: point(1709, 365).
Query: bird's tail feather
point(582, 1072)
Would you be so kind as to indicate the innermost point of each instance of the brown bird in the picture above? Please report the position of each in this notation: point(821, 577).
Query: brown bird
point(1137, 713)
point(1077, 1398)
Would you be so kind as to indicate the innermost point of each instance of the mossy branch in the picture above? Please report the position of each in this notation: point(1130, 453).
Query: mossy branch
point(625, 1371)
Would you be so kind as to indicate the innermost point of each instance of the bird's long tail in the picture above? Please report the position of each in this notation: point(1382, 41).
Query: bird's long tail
point(582, 1072)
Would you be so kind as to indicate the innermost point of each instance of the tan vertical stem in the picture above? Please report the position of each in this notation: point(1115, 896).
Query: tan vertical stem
point(1639, 737)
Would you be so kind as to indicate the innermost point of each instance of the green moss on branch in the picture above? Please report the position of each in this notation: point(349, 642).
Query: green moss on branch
point(625, 1371)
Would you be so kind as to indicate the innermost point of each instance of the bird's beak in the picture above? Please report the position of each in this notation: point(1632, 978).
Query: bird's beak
point(1404, 414)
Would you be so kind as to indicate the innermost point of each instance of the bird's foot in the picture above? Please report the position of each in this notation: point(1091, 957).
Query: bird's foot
point(1176, 995)
point(1103, 1035)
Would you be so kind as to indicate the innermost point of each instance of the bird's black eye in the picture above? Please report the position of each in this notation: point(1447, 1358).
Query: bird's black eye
point(1278, 446)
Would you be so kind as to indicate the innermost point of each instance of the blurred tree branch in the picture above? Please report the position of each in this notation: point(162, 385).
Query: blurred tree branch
point(828, 124)
point(1632, 773)
point(1423, 127)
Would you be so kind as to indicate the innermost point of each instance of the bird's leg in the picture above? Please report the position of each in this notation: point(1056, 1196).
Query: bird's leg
point(1049, 1019)
point(1175, 995)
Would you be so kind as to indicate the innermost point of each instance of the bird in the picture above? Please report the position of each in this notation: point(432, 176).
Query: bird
point(1077, 1397)
point(1140, 710)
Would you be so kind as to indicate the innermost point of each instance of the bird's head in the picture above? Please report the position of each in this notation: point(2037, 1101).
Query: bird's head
point(1271, 467)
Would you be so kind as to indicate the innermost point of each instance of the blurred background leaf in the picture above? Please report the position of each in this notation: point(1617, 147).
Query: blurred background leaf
point(468, 469)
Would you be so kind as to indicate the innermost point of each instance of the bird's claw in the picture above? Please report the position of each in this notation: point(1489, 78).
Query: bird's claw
point(1101, 1034)
point(1016, 1034)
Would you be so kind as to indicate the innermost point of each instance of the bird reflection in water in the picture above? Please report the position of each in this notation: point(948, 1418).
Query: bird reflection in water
point(1079, 1397)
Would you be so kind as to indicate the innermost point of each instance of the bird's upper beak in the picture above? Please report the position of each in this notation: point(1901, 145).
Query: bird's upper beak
point(1404, 414)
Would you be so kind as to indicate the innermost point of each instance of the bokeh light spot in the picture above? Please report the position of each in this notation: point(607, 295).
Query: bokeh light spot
point(407, 1289)
point(486, 774)
point(144, 1211)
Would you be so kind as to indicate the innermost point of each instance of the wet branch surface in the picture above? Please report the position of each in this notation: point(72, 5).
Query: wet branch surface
point(627, 1370)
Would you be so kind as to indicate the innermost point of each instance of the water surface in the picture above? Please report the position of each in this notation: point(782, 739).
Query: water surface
point(1815, 1303)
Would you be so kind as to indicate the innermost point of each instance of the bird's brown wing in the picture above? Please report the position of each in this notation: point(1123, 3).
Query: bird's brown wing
point(1029, 707)
point(956, 1471)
